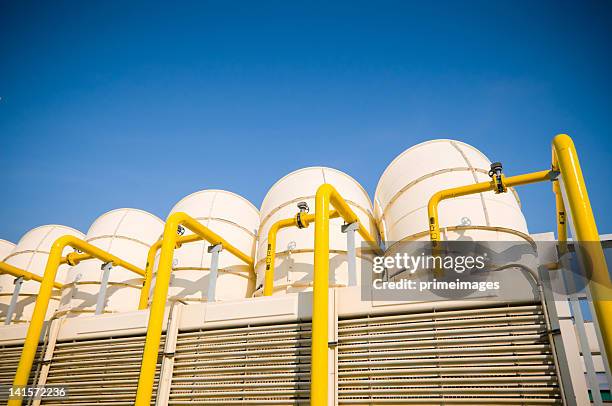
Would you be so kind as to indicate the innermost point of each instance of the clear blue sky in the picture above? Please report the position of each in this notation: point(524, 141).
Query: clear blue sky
point(109, 104)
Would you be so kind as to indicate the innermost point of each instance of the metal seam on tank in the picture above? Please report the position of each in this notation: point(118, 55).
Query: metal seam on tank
point(110, 245)
point(506, 230)
point(336, 171)
point(118, 237)
point(221, 191)
point(228, 222)
point(308, 251)
point(458, 198)
point(414, 147)
point(37, 247)
point(465, 158)
point(367, 212)
point(413, 183)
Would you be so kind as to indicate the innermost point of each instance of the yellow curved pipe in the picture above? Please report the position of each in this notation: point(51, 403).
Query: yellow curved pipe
point(160, 294)
point(326, 196)
point(44, 295)
point(29, 276)
point(434, 201)
point(305, 219)
point(143, 302)
point(565, 160)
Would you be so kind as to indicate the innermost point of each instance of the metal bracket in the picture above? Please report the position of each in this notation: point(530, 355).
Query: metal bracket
point(11, 310)
point(103, 286)
point(350, 229)
point(214, 270)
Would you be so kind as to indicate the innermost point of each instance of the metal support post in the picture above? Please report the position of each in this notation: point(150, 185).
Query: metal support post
point(214, 267)
point(103, 285)
point(350, 229)
point(11, 310)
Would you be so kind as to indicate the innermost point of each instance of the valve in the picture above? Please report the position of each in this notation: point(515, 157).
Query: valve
point(496, 174)
point(303, 206)
point(299, 221)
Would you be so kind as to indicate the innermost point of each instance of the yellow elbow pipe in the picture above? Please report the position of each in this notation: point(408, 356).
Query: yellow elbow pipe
point(29, 276)
point(326, 196)
point(160, 294)
point(586, 236)
point(44, 295)
point(148, 279)
point(434, 201)
point(305, 220)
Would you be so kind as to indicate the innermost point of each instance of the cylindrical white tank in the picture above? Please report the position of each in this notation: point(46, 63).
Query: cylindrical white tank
point(127, 234)
point(236, 220)
point(6, 247)
point(295, 247)
point(30, 254)
point(405, 187)
point(6, 283)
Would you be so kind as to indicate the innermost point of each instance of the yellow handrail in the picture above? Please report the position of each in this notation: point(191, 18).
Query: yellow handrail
point(44, 295)
point(586, 238)
point(326, 196)
point(143, 303)
point(303, 221)
point(29, 276)
point(160, 293)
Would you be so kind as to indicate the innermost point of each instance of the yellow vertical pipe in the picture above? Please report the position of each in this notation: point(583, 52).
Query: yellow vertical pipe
point(271, 254)
point(156, 316)
point(143, 302)
point(565, 160)
point(319, 344)
point(561, 218)
point(38, 318)
point(44, 295)
point(160, 293)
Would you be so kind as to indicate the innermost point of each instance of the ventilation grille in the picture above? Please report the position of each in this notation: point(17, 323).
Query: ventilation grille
point(266, 365)
point(98, 372)
point(9, 359)
point(485, 356)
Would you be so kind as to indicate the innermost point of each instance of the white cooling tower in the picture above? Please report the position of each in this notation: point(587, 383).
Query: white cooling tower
point(295, 247)
point(127, 234)
point(6, 247)
point(236, 220)
point(30, 254)
point(6, 282)
point(408, 183)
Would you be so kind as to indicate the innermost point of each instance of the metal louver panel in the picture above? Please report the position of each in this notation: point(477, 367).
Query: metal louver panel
point(98, 372)
point(264, 365)
point(493, 356)
point(9, 359)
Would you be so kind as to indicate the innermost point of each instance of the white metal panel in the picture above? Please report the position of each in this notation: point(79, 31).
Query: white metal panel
point(30, 254)
point(236, 220)
point(294, 247)
point(408, 183)
point(127, 234)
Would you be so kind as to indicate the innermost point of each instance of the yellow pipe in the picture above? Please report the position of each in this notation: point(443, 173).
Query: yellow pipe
point(74, 258)
point(432, 207)
point(326, 195)
point(143, 303)
point(305, 220)
point(561, 218)
point(586, 238)
point(44, 295)
point(29, 276)
point(160, 293)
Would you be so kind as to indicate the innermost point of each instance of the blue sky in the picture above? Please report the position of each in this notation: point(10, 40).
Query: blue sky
point(108, 104)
